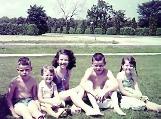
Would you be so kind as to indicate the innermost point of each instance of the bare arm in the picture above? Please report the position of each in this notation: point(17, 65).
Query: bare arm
point(122, 89)
point(56, 94)
point(35, 91)
point(111, 84)
point(136, 85)
point(86, 84)
point(9, 97)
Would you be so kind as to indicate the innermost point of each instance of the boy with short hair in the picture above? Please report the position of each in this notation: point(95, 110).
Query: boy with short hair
point(22, 92)
point(100, 84)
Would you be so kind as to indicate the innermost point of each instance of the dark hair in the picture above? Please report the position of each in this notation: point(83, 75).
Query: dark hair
point(69, 53)
point(46, 67)
point(98, 57)
point(24, 61)
point(131, 60)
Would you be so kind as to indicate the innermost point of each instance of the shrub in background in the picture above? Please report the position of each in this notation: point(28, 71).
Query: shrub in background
point(72, 31)
point(127, 31)
point(88, 31)
point(158, 32)
point(98, 31)
point(111, 31)
point(142, 31)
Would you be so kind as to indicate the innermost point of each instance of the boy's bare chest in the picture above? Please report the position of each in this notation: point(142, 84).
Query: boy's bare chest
point(25, 86)
point(98, 81)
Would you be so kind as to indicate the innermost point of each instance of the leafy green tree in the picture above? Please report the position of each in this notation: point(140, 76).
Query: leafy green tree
point(119, 20)
point(83, 26)
point(51, 24)
point(4, 20)
point(37, 16)
point(149, 11)
point(152, 25)
point(99, 14)
point(133, 23)
point(21, 20)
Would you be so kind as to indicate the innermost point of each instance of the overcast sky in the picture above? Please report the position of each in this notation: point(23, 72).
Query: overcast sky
point(17, 8)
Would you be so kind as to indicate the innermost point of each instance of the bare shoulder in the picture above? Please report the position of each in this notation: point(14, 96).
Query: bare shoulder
point(69, 72)
point(14, 82)
point(33, 80)
point(119, 76)
point(42, 82)
point(87, 74)
point(89, 70)
point(109, 72)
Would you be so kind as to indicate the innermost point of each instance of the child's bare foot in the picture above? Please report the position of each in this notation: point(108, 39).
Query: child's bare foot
point(119, 111)
point(75, 110)
point(159, 109)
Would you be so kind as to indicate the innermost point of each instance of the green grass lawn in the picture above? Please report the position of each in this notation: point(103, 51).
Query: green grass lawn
point(78, 49)
point(148, 67)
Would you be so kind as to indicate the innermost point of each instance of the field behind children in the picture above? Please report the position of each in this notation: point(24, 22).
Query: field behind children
point(148, 58)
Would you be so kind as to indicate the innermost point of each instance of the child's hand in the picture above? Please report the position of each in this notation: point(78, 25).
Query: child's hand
point(144, 98)
point(100, 96)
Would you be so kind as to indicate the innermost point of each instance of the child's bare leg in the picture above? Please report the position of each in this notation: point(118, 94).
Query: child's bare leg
point(79, 102)
point(93, 102)
point(47, 108)
point(52, 101)
point(75, 109)
point(22, 110)
point(33, 108)
point(80, 91)
point(153, 106)
point(115, 104)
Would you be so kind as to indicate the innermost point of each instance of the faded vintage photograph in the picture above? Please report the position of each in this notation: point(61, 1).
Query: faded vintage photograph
point(80, 59)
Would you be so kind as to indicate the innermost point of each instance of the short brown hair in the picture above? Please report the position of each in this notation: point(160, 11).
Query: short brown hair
point(46, 67)
point(24, 61)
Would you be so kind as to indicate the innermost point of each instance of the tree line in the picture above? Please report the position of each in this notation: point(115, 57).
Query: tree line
point(100, 19)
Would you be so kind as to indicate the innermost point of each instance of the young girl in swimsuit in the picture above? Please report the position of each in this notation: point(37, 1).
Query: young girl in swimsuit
point(63, 62)
point(128, 86)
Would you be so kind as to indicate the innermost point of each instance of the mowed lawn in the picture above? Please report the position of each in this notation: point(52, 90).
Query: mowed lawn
point(83, 49)
point(148, 67)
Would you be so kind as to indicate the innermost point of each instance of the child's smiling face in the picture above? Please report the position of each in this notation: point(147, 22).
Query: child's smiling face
point(63, 61)
point(98, 66)
point(48, 76)
point(127, 67)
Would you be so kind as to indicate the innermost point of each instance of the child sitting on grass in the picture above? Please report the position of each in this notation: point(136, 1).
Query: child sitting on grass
point(47, 90)
point(132, 97)
point(22, 92)
point(101, 85)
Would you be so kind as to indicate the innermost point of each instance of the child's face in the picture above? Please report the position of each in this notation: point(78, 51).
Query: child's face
point(98, 66)
point(24, 70)
point(63, 61)
point(48, 76)
point(127, 67)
